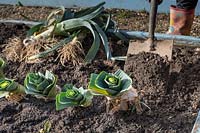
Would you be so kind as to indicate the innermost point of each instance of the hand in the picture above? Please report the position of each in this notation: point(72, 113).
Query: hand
point(159, 1)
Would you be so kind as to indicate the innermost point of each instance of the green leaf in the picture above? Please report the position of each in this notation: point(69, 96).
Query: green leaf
point(8, 85)
point(104, 21)
point(126, 80)
point(104, 40)
point(94, 48)
point(56, 16)
point(48, 91)
point(70, 25)
point(96, 89)
point(108, 22)
point(19, 3)
point(41, 85)
point(47, 127)
point(99, 83)
point(34, 29)
point(113, 82)
point(2, 65)
point(93, 14)
point(72, 96)
point(25, 17)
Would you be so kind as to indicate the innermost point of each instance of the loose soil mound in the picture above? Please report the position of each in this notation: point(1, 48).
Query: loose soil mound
point(150, 74)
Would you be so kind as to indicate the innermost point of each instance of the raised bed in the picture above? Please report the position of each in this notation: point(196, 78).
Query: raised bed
point(173, 97)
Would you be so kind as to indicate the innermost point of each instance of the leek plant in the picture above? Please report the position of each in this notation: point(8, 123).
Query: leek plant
point(11, 89)
point(116, 87)
point(69, 24)
point(109, 84)
point(2, 65)
point(72, 96)
point(40, 85)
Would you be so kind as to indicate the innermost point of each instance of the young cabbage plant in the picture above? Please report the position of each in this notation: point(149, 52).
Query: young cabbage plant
point(2, 65)
point(116, 87)
point(72, 96)
point(11, 90)
point(40, 85)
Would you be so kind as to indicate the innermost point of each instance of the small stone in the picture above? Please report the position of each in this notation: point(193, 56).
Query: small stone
point(61, 123)
point(66, 122)
point(81, 123)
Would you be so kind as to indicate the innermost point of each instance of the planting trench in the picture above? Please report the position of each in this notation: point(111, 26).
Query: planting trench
point(173, 97)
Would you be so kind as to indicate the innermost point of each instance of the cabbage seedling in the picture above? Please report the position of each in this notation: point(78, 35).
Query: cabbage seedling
point(116, 87)
point(40, 85)
point(2, 65)
point(72, 96)
point(11, 90)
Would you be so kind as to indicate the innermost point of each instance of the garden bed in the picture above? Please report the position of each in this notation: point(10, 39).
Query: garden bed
point(173, 97)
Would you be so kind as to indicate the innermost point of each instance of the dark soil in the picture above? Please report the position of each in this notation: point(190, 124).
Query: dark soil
point(11, 32)
point(146, 75)
point(174, 98)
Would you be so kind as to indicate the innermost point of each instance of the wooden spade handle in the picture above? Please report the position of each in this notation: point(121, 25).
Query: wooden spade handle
point(152, 23)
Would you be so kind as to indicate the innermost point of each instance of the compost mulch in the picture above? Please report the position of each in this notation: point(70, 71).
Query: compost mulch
point(172, 96)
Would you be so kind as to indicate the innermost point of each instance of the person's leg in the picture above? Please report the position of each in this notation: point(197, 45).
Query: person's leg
point(186, 4)
point(182, 16)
